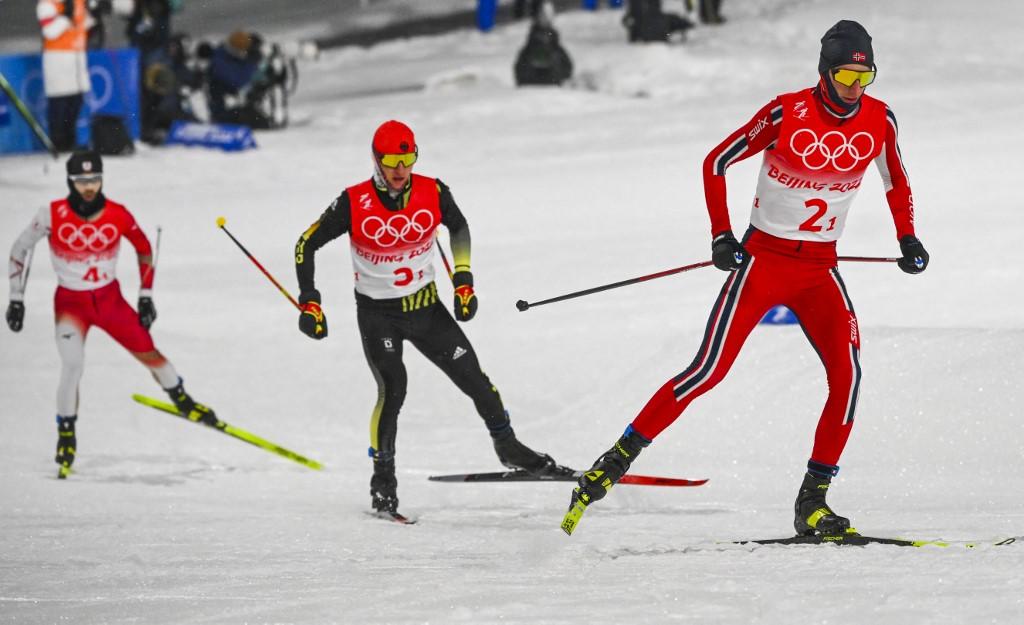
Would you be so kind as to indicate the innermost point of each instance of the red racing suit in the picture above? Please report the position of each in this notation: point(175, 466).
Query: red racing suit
point(84, 255)
point(813, 165)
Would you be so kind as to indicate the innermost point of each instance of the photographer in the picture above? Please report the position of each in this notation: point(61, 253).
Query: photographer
point(248, 82)
point(233, 71)
point(168, 83)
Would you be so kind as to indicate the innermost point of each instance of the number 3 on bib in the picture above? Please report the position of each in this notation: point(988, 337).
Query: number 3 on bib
point(820, 207)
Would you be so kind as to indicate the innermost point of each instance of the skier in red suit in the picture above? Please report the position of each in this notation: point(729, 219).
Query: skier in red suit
point(817, 144)
point(84, 231)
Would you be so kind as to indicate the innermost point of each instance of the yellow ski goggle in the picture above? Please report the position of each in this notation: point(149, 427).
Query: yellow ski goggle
point(392, 160)
point(849, 76)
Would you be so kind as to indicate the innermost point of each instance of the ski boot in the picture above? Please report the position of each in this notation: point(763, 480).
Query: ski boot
point(384, 486)
point(66, 444)
point(812, 514)
point(189, 408)
point(609, 469)
point(515, 455)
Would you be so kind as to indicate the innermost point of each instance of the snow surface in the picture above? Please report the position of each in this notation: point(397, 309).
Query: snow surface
point(565, 189)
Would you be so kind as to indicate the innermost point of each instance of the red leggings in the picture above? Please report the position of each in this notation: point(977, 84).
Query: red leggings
point(801, 275)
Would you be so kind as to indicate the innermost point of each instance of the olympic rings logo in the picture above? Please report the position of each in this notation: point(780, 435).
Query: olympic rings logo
point(398, 228)
point(833, 148)
point(87, 236)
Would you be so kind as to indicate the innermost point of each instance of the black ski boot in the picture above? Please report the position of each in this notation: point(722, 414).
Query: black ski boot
point(189, 408)
point(515, 455)
point(812, 514)
point(384, 486)
point(66, 444)
point(609, 468)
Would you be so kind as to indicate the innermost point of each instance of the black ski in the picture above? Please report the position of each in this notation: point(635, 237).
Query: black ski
point(560, 474)
point(860, 540)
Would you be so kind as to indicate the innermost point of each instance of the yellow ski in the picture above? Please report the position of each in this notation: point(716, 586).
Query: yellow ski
point(237, 432)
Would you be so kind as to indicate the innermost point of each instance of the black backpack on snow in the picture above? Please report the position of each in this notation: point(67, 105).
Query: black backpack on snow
point(110, 136)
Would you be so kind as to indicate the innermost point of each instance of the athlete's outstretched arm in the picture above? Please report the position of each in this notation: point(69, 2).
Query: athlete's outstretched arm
point(894, 177)
point(756, 135)
point(17, 266)
point(458, 228)
point(334, 222)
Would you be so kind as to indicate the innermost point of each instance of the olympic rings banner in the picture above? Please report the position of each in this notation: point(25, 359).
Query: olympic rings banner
point(115, 91)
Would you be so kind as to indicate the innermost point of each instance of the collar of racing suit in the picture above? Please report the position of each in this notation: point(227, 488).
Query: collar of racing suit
point(830, 99)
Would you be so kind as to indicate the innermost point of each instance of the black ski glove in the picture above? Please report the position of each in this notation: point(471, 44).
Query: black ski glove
point(15, 315)
point(147, 311)
point(312, 321)
point(915, 258)
point(726, 252)
point(465, 298)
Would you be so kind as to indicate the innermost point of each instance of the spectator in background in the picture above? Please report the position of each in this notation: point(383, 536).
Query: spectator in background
point(710, 11)
point(64, 25)
point(519, 9)
point(149, 29)
point(97, 36)
point(543, 60)
point(233, 69)
point(167, 85)
point(646, 21)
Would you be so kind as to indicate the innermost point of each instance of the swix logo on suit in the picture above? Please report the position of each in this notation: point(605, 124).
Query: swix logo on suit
point(392, 251)
point(84, 253)
point(809, 178)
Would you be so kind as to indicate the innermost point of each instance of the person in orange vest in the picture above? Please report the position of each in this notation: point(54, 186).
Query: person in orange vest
point(64, 25)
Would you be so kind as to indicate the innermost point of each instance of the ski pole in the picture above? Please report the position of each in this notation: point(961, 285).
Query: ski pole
point(867, 259)
point(448, 267)
point(523, 305)
point(26, 268)
point(220, 224)
point(33, 125)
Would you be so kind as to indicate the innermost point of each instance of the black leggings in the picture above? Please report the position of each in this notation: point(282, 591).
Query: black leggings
point(434, 332)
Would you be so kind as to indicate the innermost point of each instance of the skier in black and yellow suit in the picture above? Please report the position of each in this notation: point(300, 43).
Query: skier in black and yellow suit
point(391, 220)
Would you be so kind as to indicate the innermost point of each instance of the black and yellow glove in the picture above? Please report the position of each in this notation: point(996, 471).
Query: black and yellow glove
point(465, 298)
point(312, 321)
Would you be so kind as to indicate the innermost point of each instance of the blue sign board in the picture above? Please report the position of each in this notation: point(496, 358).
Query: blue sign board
point(227, 137)
point(115, 91)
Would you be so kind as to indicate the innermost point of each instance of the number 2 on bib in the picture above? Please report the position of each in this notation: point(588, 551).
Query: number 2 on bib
point(820, 207)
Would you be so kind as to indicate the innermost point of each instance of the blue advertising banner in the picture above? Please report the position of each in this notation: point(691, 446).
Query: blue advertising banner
point(227, 137)
point(115, 91)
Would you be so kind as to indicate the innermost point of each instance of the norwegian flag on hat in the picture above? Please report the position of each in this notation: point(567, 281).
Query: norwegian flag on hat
point(859, 56)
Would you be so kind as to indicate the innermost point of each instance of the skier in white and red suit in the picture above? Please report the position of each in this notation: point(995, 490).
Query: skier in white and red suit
point(84, 231)
point(817, 144)
point(392, 220)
